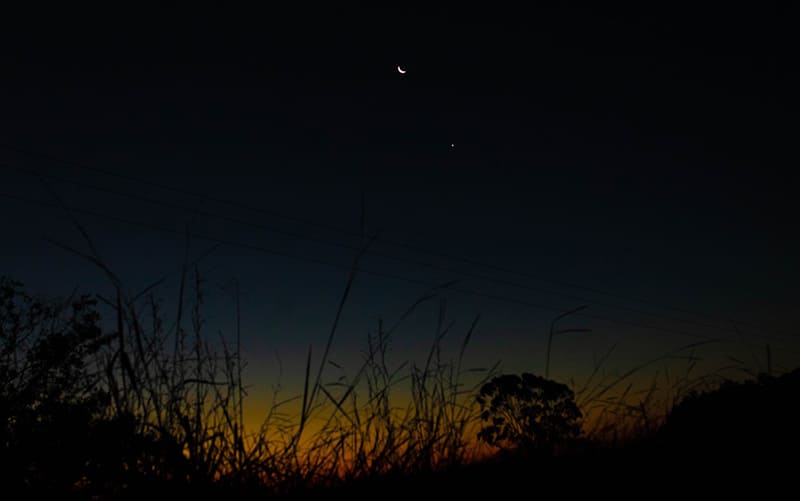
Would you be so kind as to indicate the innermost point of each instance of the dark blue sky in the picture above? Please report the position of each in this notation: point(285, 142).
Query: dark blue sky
point(645, 154)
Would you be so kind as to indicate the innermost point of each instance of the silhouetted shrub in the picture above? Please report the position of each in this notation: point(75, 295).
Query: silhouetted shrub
point(750, 419)
point(528, 413)
point(49, 392)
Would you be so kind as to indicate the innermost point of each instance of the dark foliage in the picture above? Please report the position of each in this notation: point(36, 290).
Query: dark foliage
point(59, 431)
point(738, 421)
point(49, 396)
point(527, 413)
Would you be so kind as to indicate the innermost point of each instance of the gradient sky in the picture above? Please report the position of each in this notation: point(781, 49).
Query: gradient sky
point(641, 155)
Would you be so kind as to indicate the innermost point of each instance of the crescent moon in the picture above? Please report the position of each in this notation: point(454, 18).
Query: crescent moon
point(401, 70)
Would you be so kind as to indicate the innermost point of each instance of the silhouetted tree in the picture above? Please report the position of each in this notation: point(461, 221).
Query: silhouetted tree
point(527, 413)
point(48, 391)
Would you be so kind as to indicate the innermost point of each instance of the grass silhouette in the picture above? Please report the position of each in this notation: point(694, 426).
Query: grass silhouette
point(149, 408)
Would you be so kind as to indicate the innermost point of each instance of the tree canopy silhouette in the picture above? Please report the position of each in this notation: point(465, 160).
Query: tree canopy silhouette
point(58, 429)
point(49, 394)
point(527, 412)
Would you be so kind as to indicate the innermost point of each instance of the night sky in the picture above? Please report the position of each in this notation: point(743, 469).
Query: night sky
point(642, 163)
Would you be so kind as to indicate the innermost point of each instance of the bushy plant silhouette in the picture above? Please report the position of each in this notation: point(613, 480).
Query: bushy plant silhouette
point(49, 395)
point(527, 413)
point(58, 430)
point(738, 420)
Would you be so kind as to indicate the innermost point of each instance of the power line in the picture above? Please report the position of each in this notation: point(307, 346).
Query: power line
point(354, 234)
point(395, 243)
point(392, 276)
point(396, 258)
point(424, 264)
